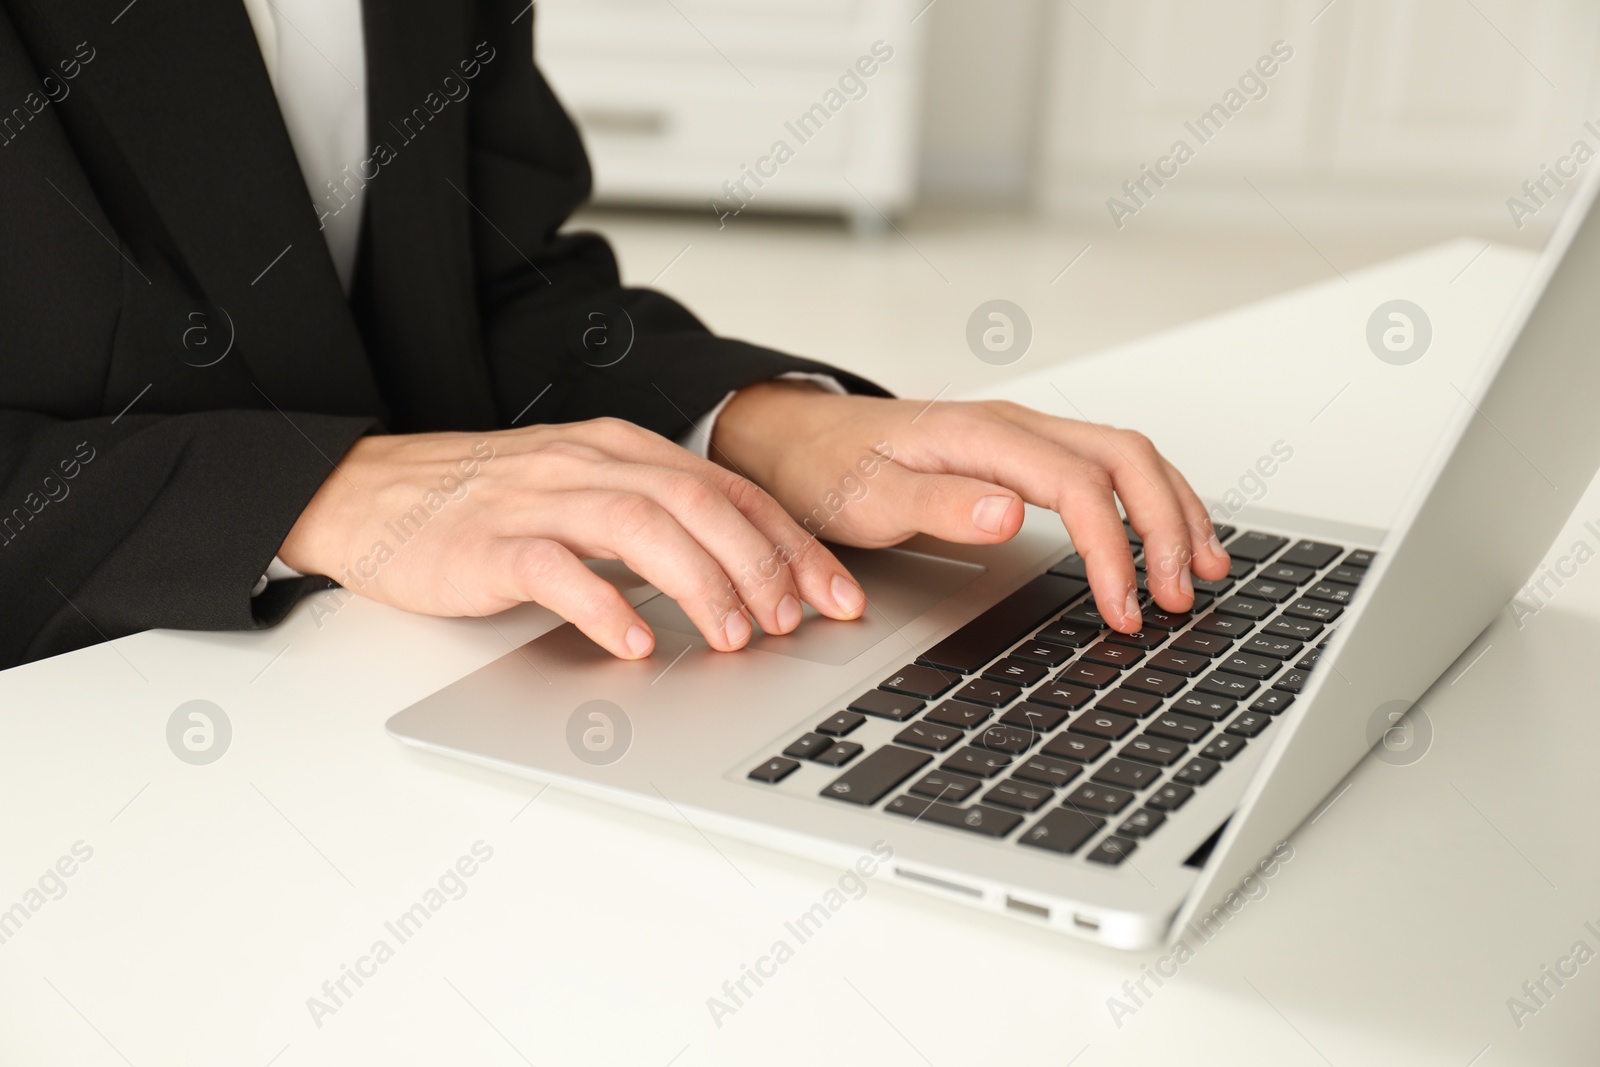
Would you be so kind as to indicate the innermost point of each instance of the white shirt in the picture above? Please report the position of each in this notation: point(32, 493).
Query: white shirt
point(316, 58)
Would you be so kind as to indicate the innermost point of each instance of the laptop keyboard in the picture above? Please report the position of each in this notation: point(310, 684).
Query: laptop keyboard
point(1038, 724)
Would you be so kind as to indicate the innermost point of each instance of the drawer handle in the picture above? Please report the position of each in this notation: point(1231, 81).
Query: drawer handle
point(627, 121)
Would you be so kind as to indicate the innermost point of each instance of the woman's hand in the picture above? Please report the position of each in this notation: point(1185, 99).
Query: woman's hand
point(471, 524)
point(871, 472)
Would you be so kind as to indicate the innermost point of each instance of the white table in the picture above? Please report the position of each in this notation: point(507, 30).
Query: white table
point(219, 898)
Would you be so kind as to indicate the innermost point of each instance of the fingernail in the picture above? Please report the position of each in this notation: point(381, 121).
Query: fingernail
point(737, 628)
point(990, 513)
point(1130, 609)
point(638, 640)
point(788, 613)
point(1214, 545)
point(1185, 582)
point(848, 595)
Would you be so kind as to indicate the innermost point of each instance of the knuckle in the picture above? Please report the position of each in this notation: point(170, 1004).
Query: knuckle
point(538, 564)
point(632, 517)
point(694, 492)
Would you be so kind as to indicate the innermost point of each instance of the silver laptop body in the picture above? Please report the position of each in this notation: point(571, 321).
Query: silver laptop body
point(680, 734)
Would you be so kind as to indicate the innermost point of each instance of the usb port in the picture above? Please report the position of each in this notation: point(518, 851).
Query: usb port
point(1026, 908)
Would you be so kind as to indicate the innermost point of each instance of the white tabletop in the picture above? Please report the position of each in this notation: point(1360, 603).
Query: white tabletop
point(218, 898)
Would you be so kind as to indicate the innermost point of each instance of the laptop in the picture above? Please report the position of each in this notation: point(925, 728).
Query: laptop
point(982, 735)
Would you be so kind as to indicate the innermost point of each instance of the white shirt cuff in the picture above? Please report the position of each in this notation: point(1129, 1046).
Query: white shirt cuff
point(697, 438)
point(275, 570)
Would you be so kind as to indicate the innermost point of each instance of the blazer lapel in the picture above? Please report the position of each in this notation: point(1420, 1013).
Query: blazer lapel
point(180, 87)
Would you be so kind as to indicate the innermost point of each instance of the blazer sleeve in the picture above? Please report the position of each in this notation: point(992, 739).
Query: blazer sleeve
point(538, 287)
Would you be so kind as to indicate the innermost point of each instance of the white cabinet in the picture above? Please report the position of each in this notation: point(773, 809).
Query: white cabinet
point(729, 105)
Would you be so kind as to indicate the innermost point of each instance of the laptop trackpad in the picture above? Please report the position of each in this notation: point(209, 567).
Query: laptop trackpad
point(900, 586)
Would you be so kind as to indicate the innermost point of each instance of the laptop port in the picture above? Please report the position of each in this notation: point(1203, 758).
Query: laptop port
point(1026, 908)
point(1083, 922)
point(928, 879)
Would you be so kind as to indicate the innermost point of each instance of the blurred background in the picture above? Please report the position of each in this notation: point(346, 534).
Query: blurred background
point(850, 179)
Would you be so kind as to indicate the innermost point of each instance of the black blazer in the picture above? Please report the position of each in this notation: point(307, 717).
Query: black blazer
point(153, 218)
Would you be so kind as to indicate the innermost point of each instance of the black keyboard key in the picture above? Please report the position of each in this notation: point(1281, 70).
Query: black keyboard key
point(1154, 618)
point(1254, 546)
point(924, 682)
point(774, 770)
point(838, 754)
point(1019, 795)
point(1250, 665)
point(1004, 624)
point(1240, 568)
point(1327, 637)
point(1015, 672)
point(1072, 635)
point(978, 819)
point(1160, 683)
point(1113, 655)
point(1071, 567)
point(930, 735)
point(1087, 615)
point(1315, 610)
point(1111, 851)
point(1038, 718)
point(1249, 723)
point(1245, 608)
point(1104, 799)
point(1286, 572)
point(976, 761)
point(1143, 639)
point(1062, 830)
point(1309, 660)
point(1007, 739)
point(1042, 652)
point(1266, 644)
point(1224, 625)
point(887, 705)
point(1176, 726)
point(1203, 644)
point(1073, 747)
point(1046, 770)
point(1261, 589)
point(1126, 773)
point(1332, 592)
point(1223, 747)
point(1102, 724)
point(1223, 531)
point(870, 780)
point(1311, 554)
point(840, 723)
point(1169, 797)
point(1295, 629)
point(990, 694)
point(1141, 823)
point(1215, 588)
point(1291, 682)
point(1093, 675)
point(1197, 771)
point(1060, 695)
point(1360, 558)
point(807, 746)
point(1205, 705)
point(1347, 575)
point(950, 788)
point(1232, 686)
point(1152, 749)
point(958, 713)
point(1125, 701)
point(1188, 664)
point(1272, 702)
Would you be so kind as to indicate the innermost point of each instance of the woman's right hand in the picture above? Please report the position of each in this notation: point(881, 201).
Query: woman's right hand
point(472, 524)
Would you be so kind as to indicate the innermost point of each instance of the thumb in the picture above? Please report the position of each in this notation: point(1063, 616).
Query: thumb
point(951, 507)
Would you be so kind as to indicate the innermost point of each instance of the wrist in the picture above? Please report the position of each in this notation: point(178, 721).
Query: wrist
point(759, 423)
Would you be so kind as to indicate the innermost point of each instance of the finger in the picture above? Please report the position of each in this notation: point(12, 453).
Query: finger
point(645, 536)
point(951, 507)
point(821, 580)
point(1048, 475)
point(1139, 477)
point(537, 570)
point(1210, 558)
point(759, 570)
